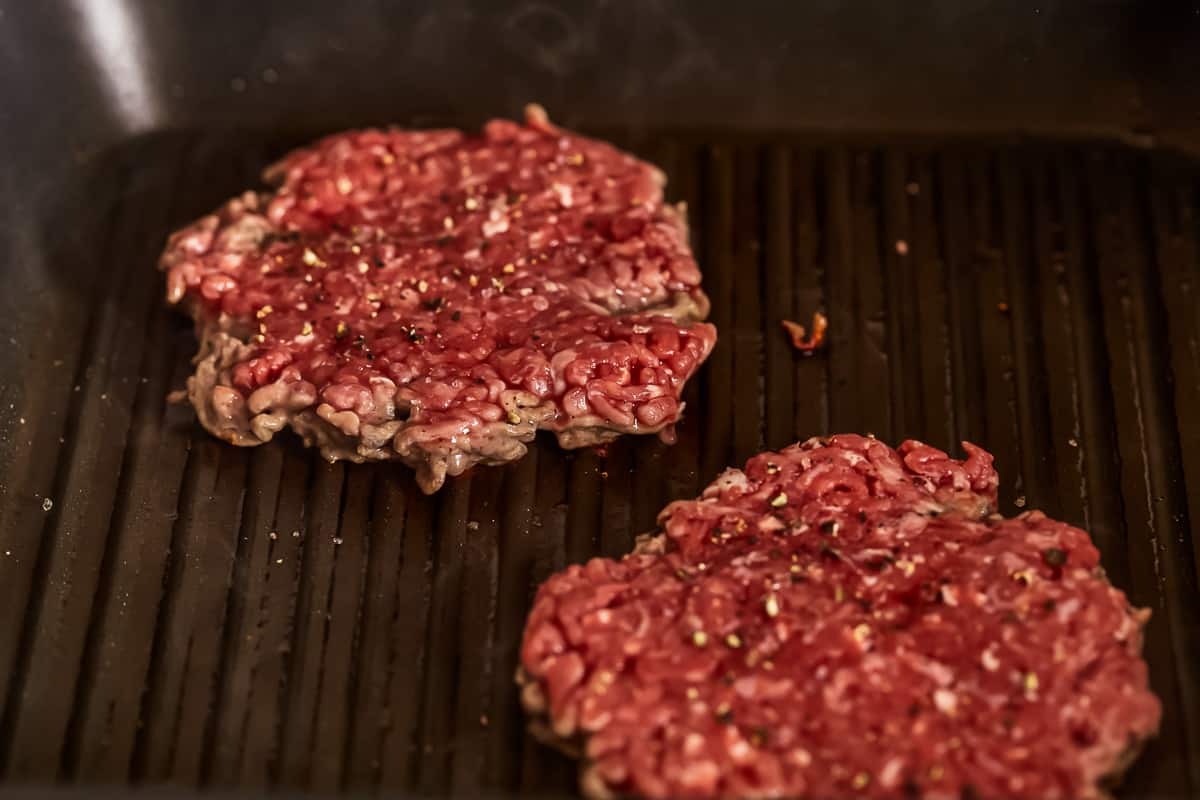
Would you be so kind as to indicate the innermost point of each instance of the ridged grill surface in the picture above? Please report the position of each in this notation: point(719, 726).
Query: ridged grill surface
point(186, 612)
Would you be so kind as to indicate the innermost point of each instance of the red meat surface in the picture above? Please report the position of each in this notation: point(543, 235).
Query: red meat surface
point(841, 618)
point(437, 297)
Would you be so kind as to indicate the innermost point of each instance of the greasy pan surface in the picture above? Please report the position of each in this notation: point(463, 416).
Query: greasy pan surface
point(152, 629)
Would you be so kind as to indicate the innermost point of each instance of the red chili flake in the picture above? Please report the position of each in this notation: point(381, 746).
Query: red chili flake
point(798, 334)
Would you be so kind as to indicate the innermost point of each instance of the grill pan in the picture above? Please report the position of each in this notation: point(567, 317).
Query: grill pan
point(178, 612)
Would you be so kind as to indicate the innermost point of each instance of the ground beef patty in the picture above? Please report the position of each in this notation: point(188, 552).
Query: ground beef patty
point(842, 618)
point(438, 297)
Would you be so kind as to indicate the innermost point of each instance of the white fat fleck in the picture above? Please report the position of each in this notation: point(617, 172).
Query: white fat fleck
point(1067, 608)
point(770, 524)
point(940, 673)
point(889, 776)
point(945, 700)
point(693, 744)
point(989, 660)
point(739, 750)
point(497, 223)
point(564, 195)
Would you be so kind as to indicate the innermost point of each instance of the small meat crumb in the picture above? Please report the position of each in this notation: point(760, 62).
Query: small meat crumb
point(902, 247)
point(798, 334)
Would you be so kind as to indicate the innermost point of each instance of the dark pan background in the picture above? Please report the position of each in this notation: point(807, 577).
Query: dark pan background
point(1043, 304)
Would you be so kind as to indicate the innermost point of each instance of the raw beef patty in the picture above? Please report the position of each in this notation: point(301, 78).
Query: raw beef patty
point(841, 618)
point(437, 298)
